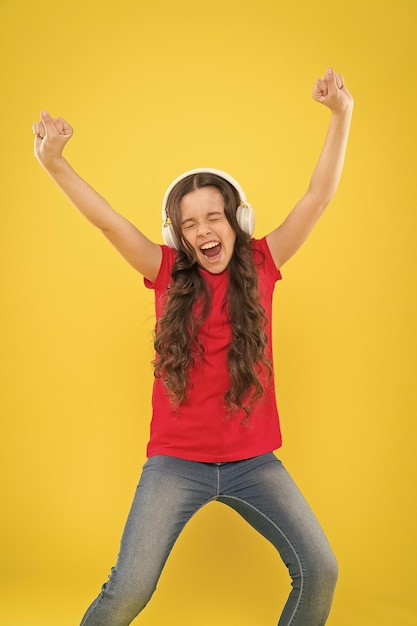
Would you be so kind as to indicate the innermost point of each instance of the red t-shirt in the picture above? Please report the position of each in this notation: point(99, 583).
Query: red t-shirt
point(201, 429)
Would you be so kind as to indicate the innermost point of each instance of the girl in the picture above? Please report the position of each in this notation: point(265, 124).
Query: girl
point(215, 423)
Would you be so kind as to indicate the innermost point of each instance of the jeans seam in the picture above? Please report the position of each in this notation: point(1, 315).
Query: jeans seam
point(224, 497)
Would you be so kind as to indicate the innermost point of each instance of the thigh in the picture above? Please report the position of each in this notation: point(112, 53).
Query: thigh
point(262, 491)
point(169, 493)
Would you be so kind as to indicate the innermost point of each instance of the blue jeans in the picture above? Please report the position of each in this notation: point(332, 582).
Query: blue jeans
point(172, 490)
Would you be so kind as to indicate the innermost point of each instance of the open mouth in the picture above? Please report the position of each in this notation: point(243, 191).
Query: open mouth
point(211, 249)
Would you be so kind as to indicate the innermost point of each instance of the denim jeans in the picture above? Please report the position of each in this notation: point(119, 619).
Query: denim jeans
point(172, 490)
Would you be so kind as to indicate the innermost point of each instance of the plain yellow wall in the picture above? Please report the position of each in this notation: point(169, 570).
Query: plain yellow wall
point(152, 89)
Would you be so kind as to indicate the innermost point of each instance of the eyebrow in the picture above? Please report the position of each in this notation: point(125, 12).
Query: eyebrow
point(209, 214)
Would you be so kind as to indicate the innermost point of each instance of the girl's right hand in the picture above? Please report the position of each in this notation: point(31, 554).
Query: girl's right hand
point(51, 135)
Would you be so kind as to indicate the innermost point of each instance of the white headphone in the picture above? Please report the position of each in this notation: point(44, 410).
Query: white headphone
point(244, 212)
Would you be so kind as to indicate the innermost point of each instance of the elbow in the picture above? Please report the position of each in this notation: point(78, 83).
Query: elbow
point(322, 205)
point(320, 199)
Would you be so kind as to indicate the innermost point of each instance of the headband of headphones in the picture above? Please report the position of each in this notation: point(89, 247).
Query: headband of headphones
point(244, 212)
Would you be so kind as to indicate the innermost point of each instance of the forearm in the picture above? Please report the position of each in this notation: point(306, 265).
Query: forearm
point(90, 203)
point(326, 175)
point(51, 137)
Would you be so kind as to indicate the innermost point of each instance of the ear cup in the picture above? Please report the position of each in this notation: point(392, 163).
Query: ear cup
point(244, 213)
point(246, 218)
point(168, 234)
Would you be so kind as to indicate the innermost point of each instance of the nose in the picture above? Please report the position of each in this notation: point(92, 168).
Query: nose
point(204, 229)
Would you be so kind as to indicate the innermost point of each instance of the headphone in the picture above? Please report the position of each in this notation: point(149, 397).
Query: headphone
point(244, 212)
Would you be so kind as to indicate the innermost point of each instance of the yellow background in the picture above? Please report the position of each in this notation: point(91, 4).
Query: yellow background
point(152, 89)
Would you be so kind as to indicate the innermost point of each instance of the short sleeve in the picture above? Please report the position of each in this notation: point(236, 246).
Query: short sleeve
point(263, 258)
point(164, 275)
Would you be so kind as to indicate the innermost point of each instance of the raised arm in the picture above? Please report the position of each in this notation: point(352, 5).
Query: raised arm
point(51, 137)
point(285, 240)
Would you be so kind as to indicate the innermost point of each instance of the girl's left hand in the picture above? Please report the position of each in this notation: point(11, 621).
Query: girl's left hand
point(331, 91)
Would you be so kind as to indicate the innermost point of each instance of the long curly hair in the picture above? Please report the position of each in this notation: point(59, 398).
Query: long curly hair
point(177, 342)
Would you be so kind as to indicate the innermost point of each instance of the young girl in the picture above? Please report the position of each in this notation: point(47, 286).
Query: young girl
point(215, 423)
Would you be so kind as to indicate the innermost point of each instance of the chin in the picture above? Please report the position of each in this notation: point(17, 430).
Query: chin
point(215, 268)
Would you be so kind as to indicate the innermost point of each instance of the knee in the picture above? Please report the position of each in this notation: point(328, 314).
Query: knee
point(324, 572)
point(317, 571)
point(126, 597)
point(329, 569)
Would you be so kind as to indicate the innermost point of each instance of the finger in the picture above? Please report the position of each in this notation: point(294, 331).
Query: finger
point(320, 88)
point(331, 81)
point(37, 144)
point(39, 129)
point(48, 123)
point(340, 81)
point(63, 127)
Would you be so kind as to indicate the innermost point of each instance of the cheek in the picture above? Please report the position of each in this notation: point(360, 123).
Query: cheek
point(231, 237)
point(185, 234)
point(188, 237)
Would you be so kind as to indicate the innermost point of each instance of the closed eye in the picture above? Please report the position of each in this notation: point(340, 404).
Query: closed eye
point(216, 216)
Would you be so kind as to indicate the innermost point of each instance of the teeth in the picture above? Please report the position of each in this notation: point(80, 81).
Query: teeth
point(210, 244)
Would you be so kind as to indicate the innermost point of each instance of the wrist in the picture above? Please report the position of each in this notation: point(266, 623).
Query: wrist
point(343, 111)
point(341, 119)
point(53, 164)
